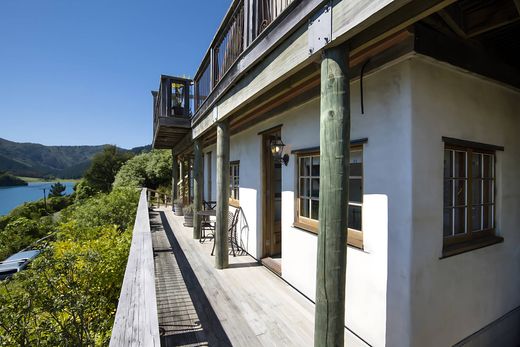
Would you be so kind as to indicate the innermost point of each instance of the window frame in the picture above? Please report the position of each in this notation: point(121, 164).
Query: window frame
point(234, 200)
point(354, 237)
point(470, 239)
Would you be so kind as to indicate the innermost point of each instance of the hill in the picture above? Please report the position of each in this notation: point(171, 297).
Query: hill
point(8, 180)
point(36, 160)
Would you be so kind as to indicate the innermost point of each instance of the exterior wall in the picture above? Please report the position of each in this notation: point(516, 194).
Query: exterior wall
point(454, 297)
point(386, 209)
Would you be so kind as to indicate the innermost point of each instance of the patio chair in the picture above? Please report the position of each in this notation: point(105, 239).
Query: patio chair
point(232, 231)
point(209, 205)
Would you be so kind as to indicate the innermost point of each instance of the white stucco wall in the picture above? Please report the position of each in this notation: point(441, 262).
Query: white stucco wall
point(386, 209)
point(456, 296)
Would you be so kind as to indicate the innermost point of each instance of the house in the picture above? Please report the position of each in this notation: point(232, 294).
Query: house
point(423, 99)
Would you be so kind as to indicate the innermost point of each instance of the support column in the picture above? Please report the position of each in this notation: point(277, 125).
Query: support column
point(221, 239)
point(197, 187)
point(334, 173)
point(175, 175)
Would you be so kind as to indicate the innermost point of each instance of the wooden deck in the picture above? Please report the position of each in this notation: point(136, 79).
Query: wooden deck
point(244, 305)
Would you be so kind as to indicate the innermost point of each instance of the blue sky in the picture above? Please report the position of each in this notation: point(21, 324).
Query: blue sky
point(80, 72)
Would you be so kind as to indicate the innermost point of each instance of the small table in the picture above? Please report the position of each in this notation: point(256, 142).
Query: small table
point(206, 223)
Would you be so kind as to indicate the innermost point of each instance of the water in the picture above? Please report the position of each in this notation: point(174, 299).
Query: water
point(10, 197)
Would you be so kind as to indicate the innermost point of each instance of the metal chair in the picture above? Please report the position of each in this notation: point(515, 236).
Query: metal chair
point(232, 231)
point(209, 205)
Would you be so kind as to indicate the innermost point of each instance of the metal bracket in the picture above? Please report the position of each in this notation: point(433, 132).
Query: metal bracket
point(320, 29)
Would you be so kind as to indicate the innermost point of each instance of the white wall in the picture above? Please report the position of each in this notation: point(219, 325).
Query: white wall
point(456, 296)
point(386, 209)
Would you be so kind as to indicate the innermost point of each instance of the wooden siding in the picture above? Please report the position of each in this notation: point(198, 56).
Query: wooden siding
point(136, 322)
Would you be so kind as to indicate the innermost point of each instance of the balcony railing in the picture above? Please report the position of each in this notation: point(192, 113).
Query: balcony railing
point(267, 11)
point(230, 44)
point(244, 22)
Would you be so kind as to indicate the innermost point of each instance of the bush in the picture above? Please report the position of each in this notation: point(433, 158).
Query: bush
point(69, 295)
point(20, 233)
point(150, 170)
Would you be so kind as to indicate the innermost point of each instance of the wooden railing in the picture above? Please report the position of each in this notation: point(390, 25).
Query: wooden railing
point(157, 199)
point(203, 83)
point(230, 44)
point(244, 22)
point(267, 11)
point(136, 322)
point(172, 99)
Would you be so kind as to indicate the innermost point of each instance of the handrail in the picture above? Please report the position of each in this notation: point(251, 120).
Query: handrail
point(243, 24)
point(136, 322)
point(166, 198)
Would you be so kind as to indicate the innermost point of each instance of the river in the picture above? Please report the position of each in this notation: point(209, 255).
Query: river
point(10, 197)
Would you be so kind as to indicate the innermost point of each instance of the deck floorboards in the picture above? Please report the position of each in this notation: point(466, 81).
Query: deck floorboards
point(244, 305)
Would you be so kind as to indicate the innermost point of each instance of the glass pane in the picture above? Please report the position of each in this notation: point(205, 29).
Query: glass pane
point(460, 164)
point(488, 166)
point(355, 190)
point(476, 165)
point(316, 166)
point(304, 208)
point(488, 217)
point(476, 191)
point(315, 208)
point(476, 215)
point(356, 156)
point(460, 220)
point(354, 217)
point(315, 188)
point(448, 163)
point(448, 222)
point(305, 166)
point(460, 192)
point(304, 187)
point(448, 193)
point(487, 193)
point(356, 170)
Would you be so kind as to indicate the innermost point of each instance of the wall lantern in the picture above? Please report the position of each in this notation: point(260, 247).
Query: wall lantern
point(277, 146)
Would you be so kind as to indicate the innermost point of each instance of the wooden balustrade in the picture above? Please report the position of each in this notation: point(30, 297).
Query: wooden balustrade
point(136, 322)
point(243, 23)
point(157, 199)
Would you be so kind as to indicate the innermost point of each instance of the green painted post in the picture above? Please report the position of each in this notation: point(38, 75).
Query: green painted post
point(334, 172)
point(221, 239)
point(197, 188)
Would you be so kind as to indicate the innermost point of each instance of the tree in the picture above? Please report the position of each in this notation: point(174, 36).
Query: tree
point(57, 189)
point(150, 170)
point(105, 165)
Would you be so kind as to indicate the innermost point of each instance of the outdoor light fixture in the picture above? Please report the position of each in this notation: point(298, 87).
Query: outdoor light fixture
point(277, 146)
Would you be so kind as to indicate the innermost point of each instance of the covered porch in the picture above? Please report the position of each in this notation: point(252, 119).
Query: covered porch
point(246, 305)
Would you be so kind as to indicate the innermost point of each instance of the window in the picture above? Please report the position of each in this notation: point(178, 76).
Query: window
point(307, 204)
point(469, 195)
point(234, 173)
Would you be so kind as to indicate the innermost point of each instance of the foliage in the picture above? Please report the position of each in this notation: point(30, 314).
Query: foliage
point(105, 165)
point(20, 233)
point(6, 179)
point(188, 210)
point(69, 295)
point(150, 170)
point(83, 190)
point(57, 189)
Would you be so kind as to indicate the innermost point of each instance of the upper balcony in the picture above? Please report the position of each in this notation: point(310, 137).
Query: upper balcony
point(171, 111)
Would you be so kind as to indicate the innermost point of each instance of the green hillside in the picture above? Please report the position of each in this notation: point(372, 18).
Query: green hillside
point(36, 160)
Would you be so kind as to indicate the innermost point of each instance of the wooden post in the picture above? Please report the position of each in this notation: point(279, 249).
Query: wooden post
point(334, 173)
point(221, 239)
point(197, 188)
point(175, 175)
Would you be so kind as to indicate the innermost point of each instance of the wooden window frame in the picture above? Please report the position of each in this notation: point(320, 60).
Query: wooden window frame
point(234, 200)
point(470, 239)
point(354, 237)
